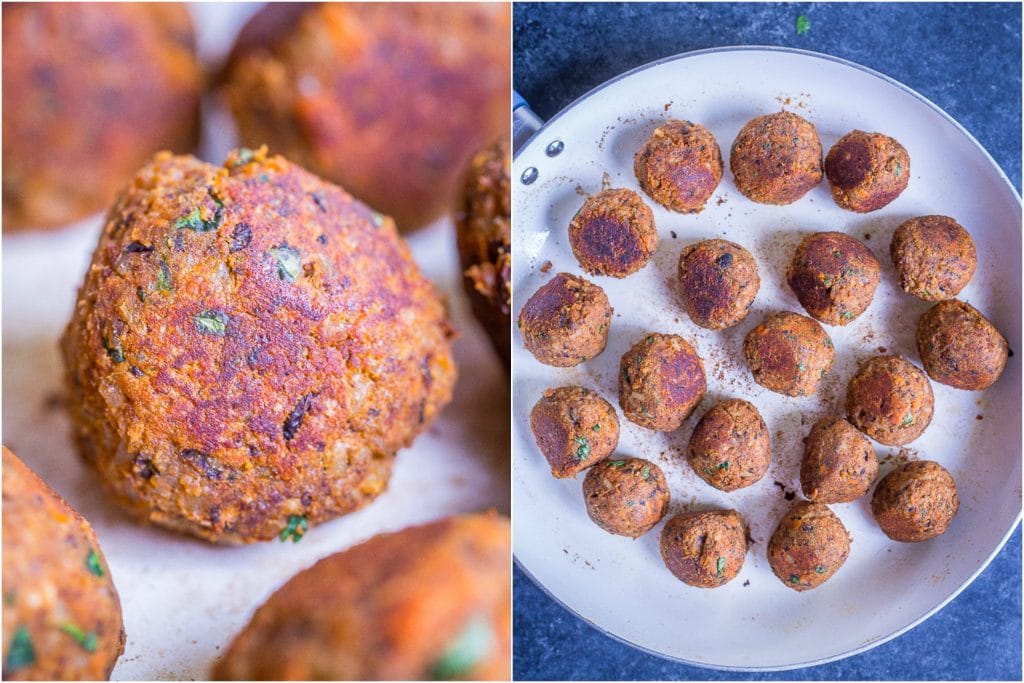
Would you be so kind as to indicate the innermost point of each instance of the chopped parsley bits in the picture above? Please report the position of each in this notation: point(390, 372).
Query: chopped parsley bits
point(646, 472)
point(597, 427)
point(378, 219)
point(722, 465)
point(212, 322)
point(820, 569)
point(908, 419)
point(469, 647)
point(618, 463)
point(194, 219)
point(584, 448)
point(21, 653)
point(163, 277)
point(92, 561)
point(113, 350)
point(297, 527)
point(794, 578)
point(289, 265)
point(720, 566)
point(87, 640)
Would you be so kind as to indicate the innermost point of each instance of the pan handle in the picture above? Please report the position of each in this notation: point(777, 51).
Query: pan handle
point(524, 122)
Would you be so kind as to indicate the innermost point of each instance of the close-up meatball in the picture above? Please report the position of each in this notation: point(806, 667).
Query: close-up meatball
point(730, 448)
point(613, 233)
point(960, 347)
point(250, 348)
point(661, 381)
point(808, 546)
point(839, 463)
point(890, 400)
point(626, 496)
point(789, 353)
point(574, 428)
point(705, 549)
point(679, 166)
point(915, 502)
point(776, 158)
point(718, 282)
point(430, 602)
point(934, 257)
point(866, 171)
point(90, 92)
point(834, 277)
point(566, 321)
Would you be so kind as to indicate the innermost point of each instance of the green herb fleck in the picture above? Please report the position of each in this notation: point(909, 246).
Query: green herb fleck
point(212, 322)
point(908, 419)
point(846, 315)
point(21, 653)
point(243, 157)
point(618, 463)
point(650, 339)
point(163, 278)
point(584, 448)
point(899, 169)
point(92, 561)
point(828, 343)
point(141, 294)
point(192, 221)
point(794, 578)
point(643, 411)
point(722, 465)
point(721, 565)
point(708, 471)
point(378, 219)
point(289, 265)
point(646, 472)
point(801, 367)
point(113, 350)
point(820, 569)
point(468, 649)
point(297, 527)
point(88, 641)
point(195, 221)
point(630, 503)
point(9, 597)
point(597, 427)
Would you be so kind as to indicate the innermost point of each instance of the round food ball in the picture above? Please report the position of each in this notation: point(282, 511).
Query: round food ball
point(890, 400)
point(626, 496)
point(730, 447)
point(613, 233)
point(566, 321)
point(839, 462)
point(915, 502)
point(661, 381)
point(428, 602)
point(62, 616)
point(679, 166)
point(834, 277)
point(250, 348)
point(960, 347)
point(776, 159)
point(809, 545)
point(574, 428)
point(718, 282)
point(705, 549)
point(866, 170)
point(934, 257)
point(90, 92)
point(789, 353)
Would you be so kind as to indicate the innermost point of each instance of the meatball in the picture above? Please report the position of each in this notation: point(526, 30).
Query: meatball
point(429, 602)
point(789, 353)
point(809, 545)
point(250, 348)
point(566, 321)
point(661, 381)
point(705, 549)
point(62, 617)
point(322, 82)
point(915, 502)
point(574, 428)
point(626, 496)
point(613, 233)
point(718, 281)
point(834, 277)
point(839, 462)
point(776, 159)
point(866, 170)
point(730, 448)
point(679, 166)
point(960, 347)
point(934, 257)
point(90, 92)
point(890, 400)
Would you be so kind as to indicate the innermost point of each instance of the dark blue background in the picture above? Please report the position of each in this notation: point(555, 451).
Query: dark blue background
point(966, 59)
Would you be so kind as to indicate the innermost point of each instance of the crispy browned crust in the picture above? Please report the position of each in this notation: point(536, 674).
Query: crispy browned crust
point(705, 549)
point(890, 400)
point(566, 321)
point(839, 463)
point(789, 353)
point(730, 447)
point(960, 347)
point(626, 496)
point(934, 257)
point(679, 166)
point(718, 282)
point(809, 545)
point(776, 158)
point(915, 502)
point(661, 381)
point(834, 277)
point(613, 233)
point(866, 171)
point(574, 428)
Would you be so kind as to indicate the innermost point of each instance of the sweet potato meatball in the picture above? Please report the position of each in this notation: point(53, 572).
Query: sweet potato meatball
point(705, 549)
point(776, 159)
point(730, 447)
point(718, 282)
point(626, 496)
point(866, 170)
point(890, 400)
point(679, 166)
point(250, 348)
point(789, 353)
point(834, 277)
point(62, 617)
point(566, 321)
point(613, 233)
point(809, 545)
point(661, 381)
point(934, 257)
point(429, 602)
point(960, 347)
point(839, 462)
point(915, 502)
point(574, 428)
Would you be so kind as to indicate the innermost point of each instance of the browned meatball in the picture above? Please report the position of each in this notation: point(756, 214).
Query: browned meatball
point(718, 281)
point(839, 462)
point(789, 353)
point(834, 276)
point(679, 166)
point(705, 549)
point(730, 447)
point(574, 428)
point(915, 502)
point(809, 545)
point(866, 170)
point(960, 347)
point(934, 257)
point(626, 496)
point(613, 233)
point(776, 159)
point(661, 381)
point(566, 321)
point(890, 400)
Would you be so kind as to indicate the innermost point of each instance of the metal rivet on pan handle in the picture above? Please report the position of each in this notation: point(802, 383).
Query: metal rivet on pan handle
point(554, 149)
point(529, 175)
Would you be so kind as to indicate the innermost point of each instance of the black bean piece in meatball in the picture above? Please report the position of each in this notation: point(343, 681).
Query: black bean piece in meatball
point(626, 496)
point(718, 282)
point(566, 321)
point(574, 428)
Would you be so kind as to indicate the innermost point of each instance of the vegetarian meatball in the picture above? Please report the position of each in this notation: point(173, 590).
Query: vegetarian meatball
point(679, 166)
point(661, 381)
point(574, 428)
point(960, 347)
point(915, 502)
point(839, 462)
point(866, 170)
point(776, 159)
point(705, 549)
point(91, 91)
point(613, 233)
point(718, 281)
point(730, 447)
point(566, 321)
point(626, 496)
point(890, 400)
point(809, 545)
point(62, 617)
point(934, 257)
point(429, 602)
point(834, 277)
point(250, 348)
point(789, 353)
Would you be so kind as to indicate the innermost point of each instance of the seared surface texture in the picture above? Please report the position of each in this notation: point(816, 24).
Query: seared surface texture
point(718, 282)
point(705, 549)
point(679, 166)
point(574, 428)
point(866, 171)
point(626, 496)
point(890, 400)
point(960, 347)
